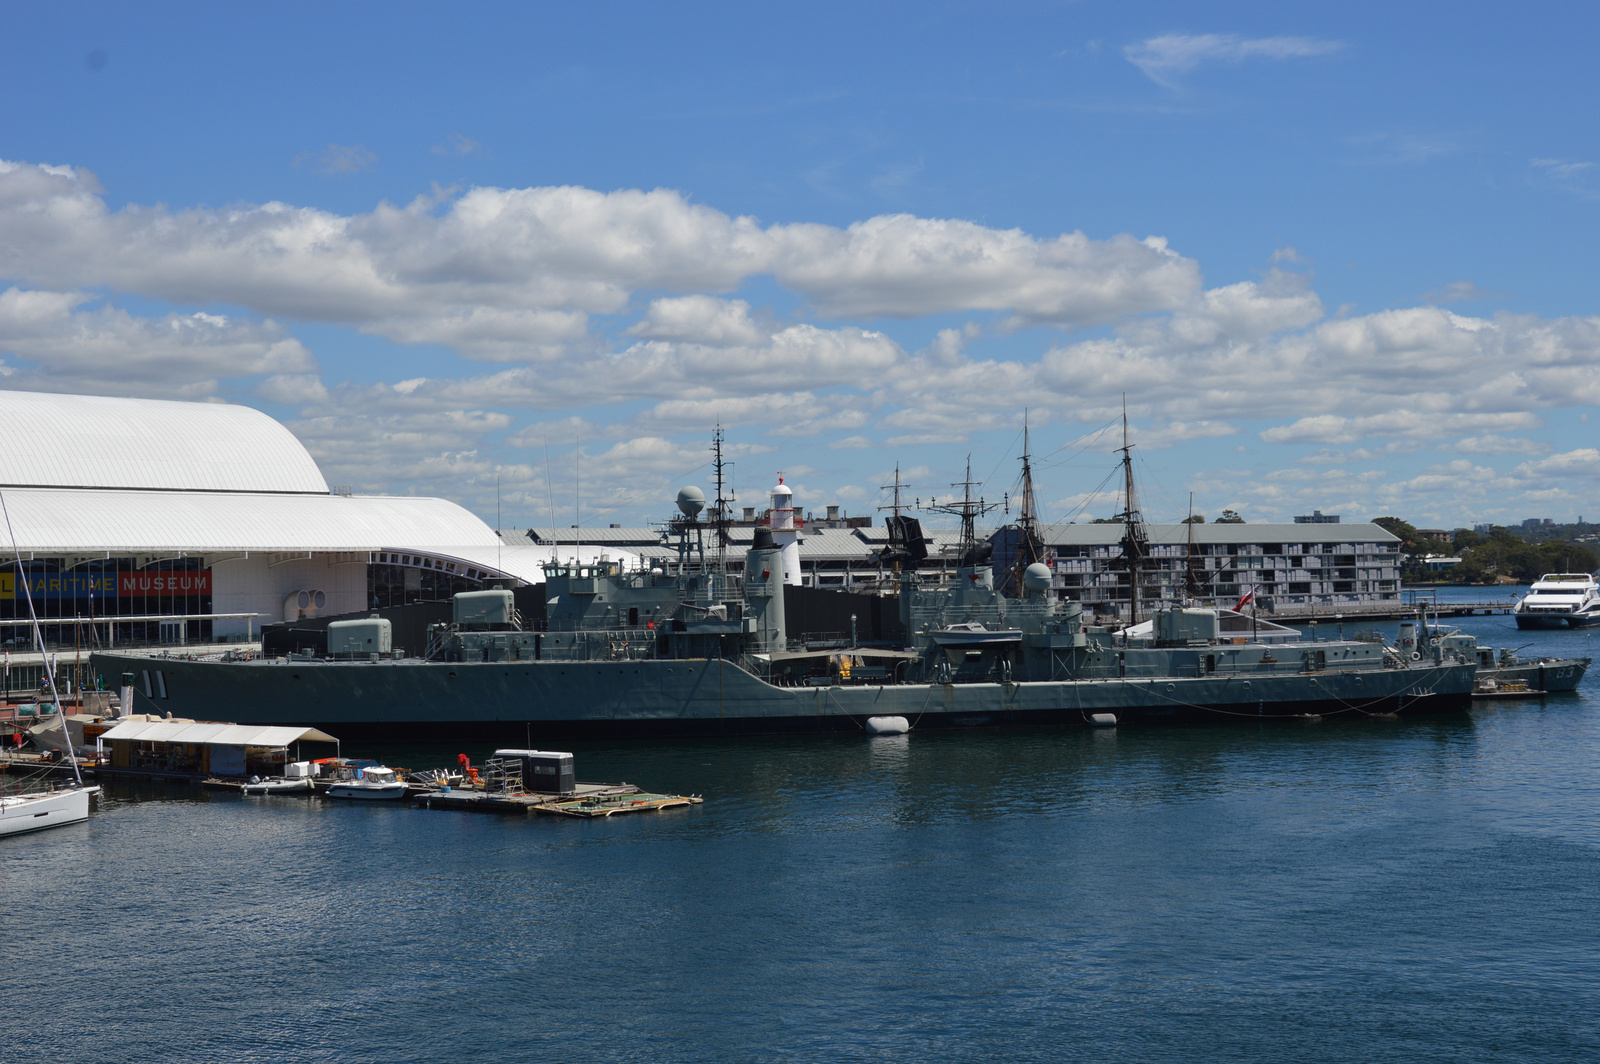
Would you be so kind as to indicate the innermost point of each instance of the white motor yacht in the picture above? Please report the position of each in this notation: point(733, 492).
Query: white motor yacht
point(372, 783)
point(1560, 600)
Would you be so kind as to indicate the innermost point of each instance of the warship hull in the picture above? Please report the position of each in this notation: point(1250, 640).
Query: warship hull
point(418, 700)
point(1550, 676)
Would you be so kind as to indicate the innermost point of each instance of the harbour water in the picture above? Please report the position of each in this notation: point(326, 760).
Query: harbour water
point(1417, 890)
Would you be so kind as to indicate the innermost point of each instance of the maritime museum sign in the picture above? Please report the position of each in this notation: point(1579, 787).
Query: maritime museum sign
point(108, 585)
point(191, 582)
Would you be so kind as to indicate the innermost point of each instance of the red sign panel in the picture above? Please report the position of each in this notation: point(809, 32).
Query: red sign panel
point(138, 585)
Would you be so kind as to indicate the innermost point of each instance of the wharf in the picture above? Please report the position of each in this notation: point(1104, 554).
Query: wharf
point(598, 806)
point(1383, 611)
point(37, 763)
point(588, 801)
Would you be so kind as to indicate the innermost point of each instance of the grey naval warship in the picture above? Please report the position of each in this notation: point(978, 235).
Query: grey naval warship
point(691, 648)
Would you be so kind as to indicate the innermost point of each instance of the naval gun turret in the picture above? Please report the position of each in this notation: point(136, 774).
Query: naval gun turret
point(484, 626)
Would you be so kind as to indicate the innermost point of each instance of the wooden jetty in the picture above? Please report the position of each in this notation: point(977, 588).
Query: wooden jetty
point(599, 807)
point(589, 801)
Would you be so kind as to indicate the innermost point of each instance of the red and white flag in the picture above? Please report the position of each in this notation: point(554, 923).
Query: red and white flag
point(1244, 599)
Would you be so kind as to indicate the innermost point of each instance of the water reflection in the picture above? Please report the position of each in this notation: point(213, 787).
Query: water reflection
point(1140, 893)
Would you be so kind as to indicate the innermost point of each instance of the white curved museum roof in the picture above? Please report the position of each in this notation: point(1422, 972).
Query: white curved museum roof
point(92, 441)
point(63, 521)
point(86, 475)
point(52, 521)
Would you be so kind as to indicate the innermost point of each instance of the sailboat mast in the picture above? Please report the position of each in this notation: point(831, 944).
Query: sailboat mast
point(38, 641)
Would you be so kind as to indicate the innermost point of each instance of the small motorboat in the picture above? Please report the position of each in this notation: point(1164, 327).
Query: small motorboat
point(371, 783)
point(279, 785)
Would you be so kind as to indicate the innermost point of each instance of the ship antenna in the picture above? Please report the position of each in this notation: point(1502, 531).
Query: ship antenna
point(38, 639)
point(720, 515)
point(968, 510)
point(577, 500)
point(550, 493)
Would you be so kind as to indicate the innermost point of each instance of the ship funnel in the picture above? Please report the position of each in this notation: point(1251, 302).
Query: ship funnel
point(763, 590)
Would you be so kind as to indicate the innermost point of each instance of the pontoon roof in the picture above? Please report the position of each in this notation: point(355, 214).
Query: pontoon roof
point(210, 733)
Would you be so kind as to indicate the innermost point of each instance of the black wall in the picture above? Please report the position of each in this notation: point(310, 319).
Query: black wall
point(818, 613)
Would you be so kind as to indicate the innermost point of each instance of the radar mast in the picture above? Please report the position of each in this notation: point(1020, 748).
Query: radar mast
point(719, 515)
point(968, 510)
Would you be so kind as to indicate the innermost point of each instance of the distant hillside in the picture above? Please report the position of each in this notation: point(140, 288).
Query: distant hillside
point(1504, 553)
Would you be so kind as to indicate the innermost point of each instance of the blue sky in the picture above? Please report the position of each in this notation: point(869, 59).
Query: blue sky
point(1336, 258)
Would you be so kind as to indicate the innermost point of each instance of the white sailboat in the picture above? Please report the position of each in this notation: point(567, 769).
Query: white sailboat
point(35, 811)
point(56, 807)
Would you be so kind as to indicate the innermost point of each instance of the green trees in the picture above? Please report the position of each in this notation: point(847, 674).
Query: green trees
point(1504, 554)
point(1412, 541)
point(1486, 559)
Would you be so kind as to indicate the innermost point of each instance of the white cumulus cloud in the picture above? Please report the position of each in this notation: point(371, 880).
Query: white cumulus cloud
point(1164, 58)
point(58, 341)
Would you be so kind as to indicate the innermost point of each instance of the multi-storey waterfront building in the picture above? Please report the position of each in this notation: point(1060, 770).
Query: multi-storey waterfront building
point(1319, 564)
point(1289, 564)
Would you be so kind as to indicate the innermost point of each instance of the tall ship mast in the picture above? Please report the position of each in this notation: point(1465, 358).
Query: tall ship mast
point(1029, 546)
point(907, 546)
point(1135, 540)
point(1194, 584)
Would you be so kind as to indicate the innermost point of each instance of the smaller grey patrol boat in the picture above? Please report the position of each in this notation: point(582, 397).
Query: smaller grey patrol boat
point(1502, 675)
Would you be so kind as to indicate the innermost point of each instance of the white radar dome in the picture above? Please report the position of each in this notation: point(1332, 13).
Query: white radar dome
point(1036, 577)
point(691, 500)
